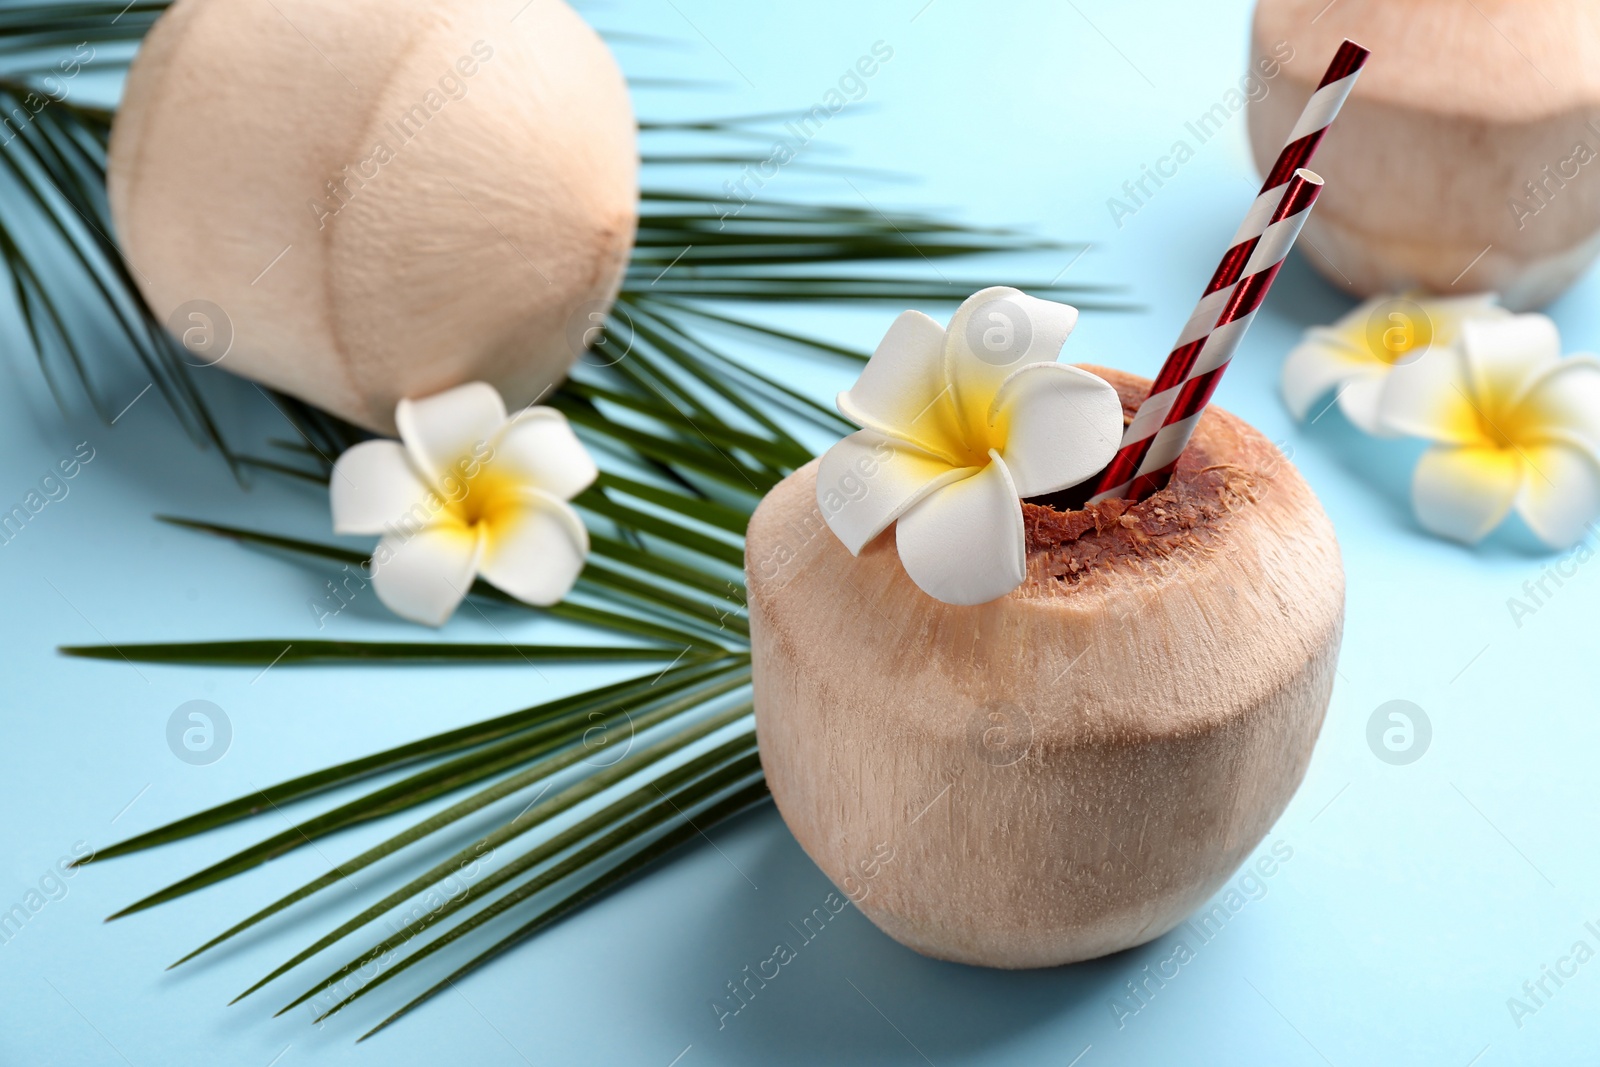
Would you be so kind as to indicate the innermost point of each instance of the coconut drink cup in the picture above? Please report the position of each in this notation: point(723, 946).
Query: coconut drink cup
point(1071, 769)
point(1040, 652)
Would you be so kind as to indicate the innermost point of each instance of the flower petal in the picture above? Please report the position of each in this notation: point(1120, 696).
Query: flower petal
point(1353, 323)
point(1359, 399)
point(374, 487)
point(1319, 363)
point(1560, 494)
point(1431, 399)
point(1357, 353)
point(1565, 402)
point(444, 429)
point(867, 481)
point(1364, 326)
point(1507, 356)
point(964, 543)
point(994, 333)
point(423, 575)
point(902, 390)
point(1448, 314)
point(1463, 493)
point(535, 552)
point(1060, 425)
point(539, 448)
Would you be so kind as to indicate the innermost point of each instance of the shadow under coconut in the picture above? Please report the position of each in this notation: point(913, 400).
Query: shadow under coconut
point(846, 991)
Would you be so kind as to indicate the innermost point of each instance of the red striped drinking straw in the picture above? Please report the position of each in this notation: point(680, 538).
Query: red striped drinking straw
point(1162, 448)
point(1183, 365)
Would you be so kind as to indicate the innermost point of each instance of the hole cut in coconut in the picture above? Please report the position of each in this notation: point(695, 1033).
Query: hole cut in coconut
point(1222, 471)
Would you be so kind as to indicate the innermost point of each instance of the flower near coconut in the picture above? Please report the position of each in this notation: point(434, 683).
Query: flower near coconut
point(467, 492)
point(1514, 425)
point(1355, 355)
point(957, 425)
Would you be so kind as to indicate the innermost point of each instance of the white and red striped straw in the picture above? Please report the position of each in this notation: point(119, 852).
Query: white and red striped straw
point(1126, 476)
point(1162, 448)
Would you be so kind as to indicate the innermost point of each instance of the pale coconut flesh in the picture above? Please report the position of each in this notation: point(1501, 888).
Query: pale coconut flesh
point(384, 198)
point(1072, 769)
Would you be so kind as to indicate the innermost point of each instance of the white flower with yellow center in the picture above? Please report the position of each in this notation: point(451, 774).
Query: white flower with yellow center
point(466, 492)
point(958, 426)
point(1354, 356)
point(1515, 426)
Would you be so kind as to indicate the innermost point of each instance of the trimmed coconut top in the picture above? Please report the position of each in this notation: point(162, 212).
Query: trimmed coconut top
point(1498, 62)
point(1227, 467)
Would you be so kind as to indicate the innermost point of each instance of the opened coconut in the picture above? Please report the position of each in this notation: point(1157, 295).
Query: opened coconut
point(1073, 768)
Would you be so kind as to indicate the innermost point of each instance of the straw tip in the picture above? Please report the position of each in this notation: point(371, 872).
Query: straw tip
point(1346, 64)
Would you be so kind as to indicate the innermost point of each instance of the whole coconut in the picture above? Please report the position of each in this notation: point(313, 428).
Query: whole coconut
point(1464, 158)
point(375, 199)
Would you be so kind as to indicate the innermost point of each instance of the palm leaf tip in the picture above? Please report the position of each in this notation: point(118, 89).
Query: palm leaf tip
point(749, 797)
point(669, 683)
point(586, 788)
point(629, 820)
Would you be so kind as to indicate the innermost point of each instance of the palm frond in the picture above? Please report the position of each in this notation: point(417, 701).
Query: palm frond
point(270, 652)
point(57, 232)
point(689, 439)
point(601, 701)
point(539, 754)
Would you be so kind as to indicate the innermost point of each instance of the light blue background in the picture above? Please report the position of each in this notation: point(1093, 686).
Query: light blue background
point(1417, 900)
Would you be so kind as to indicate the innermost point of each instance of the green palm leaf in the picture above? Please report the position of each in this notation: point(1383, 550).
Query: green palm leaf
point(288, 652)
point(646, 808)
point(631, 864)
point(601, 701)
point(545, 750)
point(526, 821)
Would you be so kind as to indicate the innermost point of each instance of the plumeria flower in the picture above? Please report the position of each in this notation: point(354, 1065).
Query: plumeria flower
point(958, 426)
point(1355, 355)
point(466, 492)
point(1515, 426)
